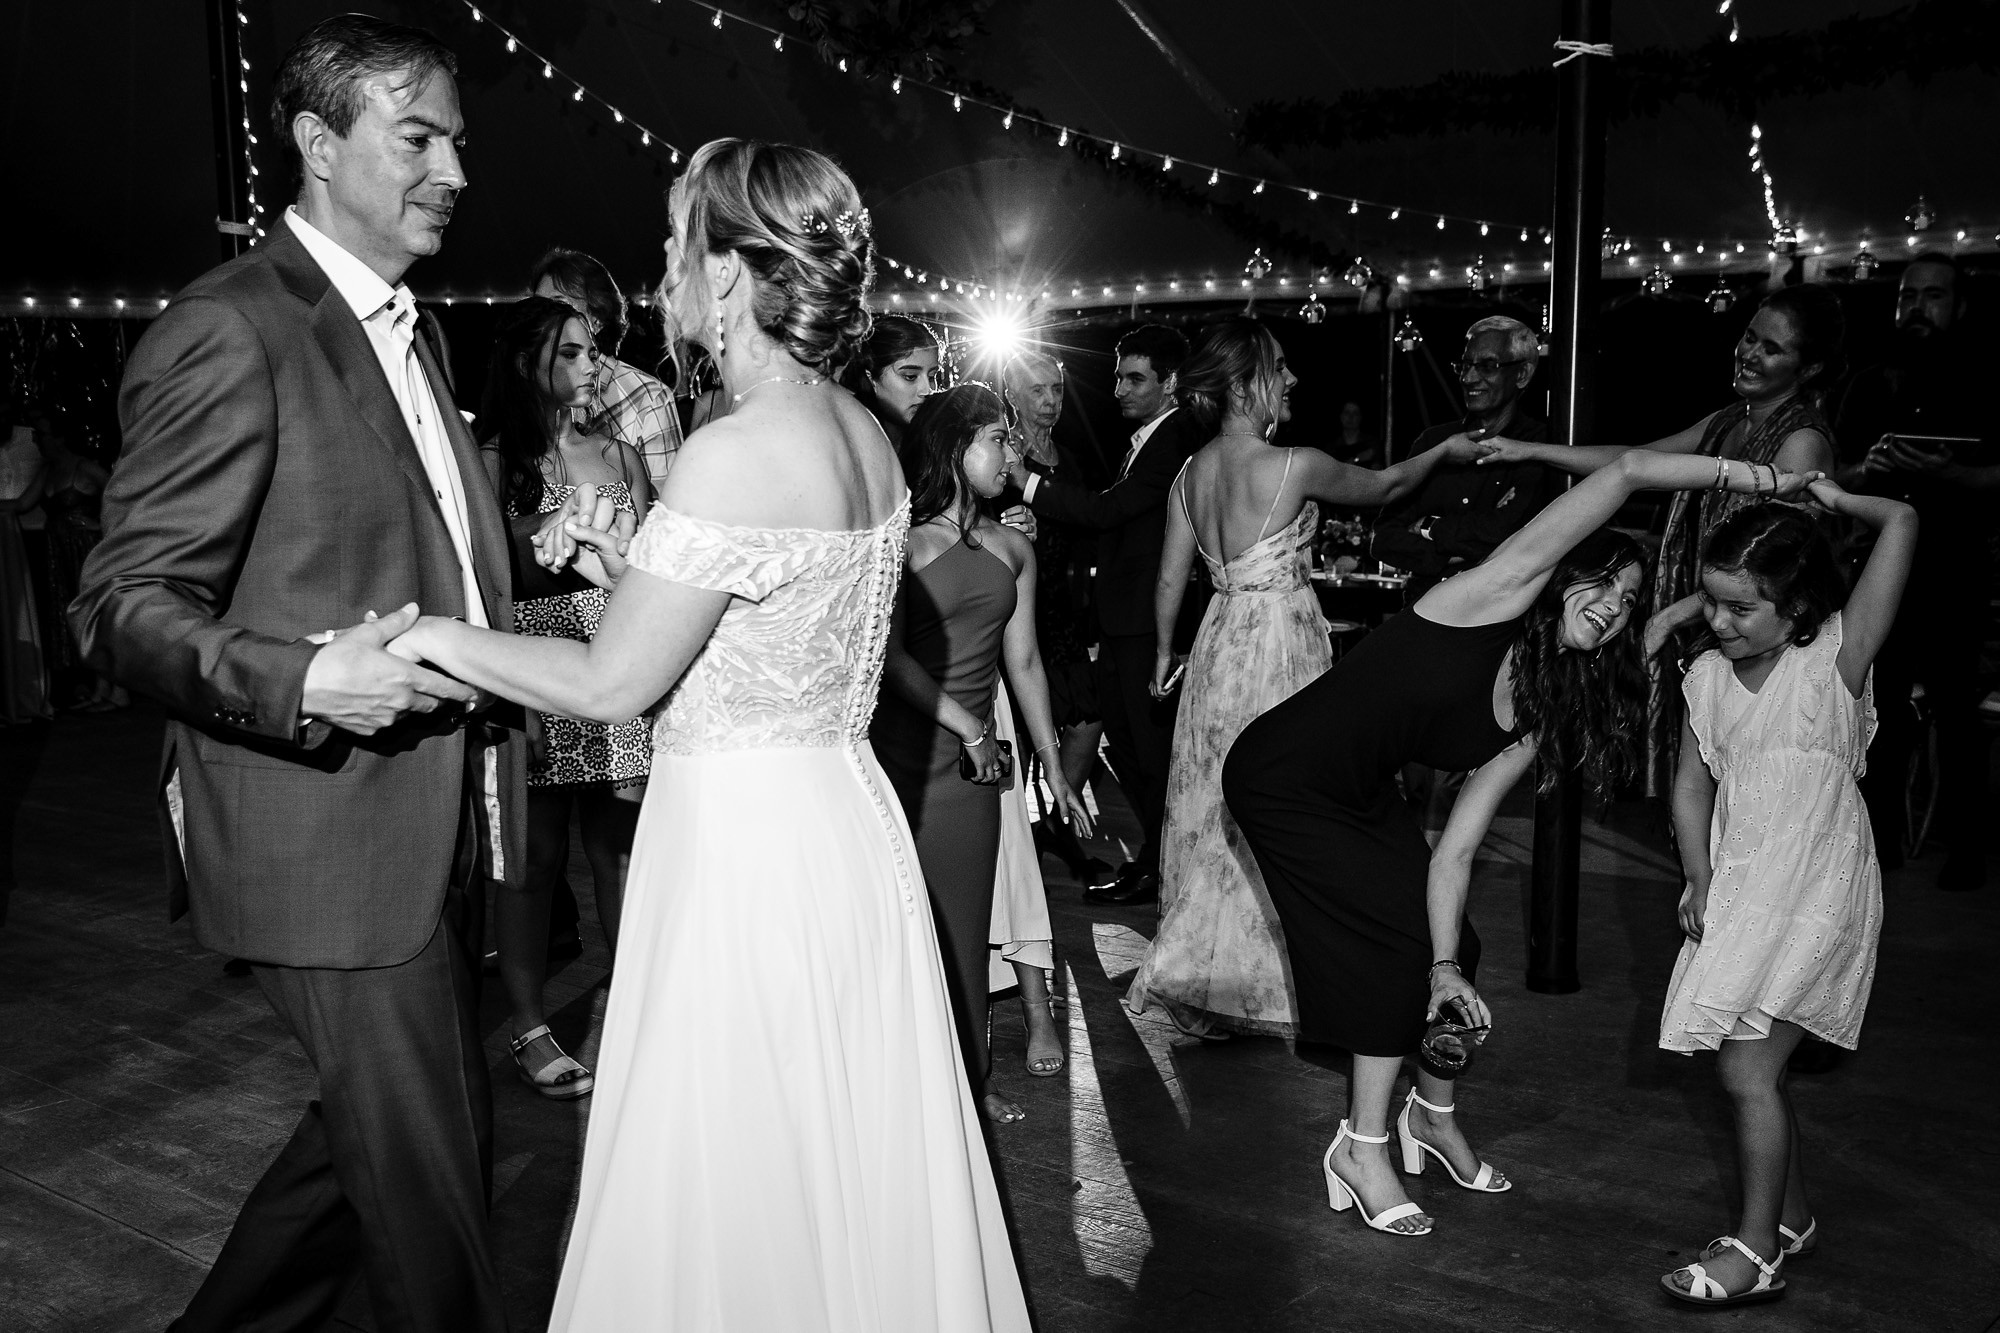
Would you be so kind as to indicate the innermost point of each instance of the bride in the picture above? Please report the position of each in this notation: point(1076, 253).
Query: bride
point(783, 1136)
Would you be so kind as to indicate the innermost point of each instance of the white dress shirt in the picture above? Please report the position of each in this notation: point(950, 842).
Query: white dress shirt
point(1139, 438)
point(389, 316)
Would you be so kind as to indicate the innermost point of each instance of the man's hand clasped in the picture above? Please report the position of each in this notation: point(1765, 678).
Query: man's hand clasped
point(359, 683)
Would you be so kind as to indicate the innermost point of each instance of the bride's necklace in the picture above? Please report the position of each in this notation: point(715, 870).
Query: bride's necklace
point(737, 400)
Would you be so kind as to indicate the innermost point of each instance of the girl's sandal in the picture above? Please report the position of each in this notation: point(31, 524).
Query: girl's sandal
point(1798, 1244)
point(561, 1079)
point(1705, 1290)
point(1047, 1060)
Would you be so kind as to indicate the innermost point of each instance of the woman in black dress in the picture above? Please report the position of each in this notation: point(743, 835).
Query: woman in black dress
point(1521, 654)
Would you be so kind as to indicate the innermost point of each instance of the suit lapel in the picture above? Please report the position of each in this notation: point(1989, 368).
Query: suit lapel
point(487, 528)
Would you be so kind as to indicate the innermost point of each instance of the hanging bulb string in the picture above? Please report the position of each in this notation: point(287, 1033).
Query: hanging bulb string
point(518, 45)
point(1117, 150)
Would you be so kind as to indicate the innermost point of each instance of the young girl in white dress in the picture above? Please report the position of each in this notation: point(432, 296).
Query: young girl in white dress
point(1784, 895)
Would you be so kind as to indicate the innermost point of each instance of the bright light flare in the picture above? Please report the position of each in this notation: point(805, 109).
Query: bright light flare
point(1000, 334)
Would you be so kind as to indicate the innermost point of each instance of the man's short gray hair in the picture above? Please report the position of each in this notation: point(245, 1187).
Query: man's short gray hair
point(1522, 343)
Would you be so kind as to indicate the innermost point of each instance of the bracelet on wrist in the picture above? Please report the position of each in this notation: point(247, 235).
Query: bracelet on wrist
point(1451, 963)
point(1052, 745)
point(978, 740)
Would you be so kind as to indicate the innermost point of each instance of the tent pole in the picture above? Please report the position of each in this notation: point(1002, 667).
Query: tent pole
point(1579, 228)
point(227, 102)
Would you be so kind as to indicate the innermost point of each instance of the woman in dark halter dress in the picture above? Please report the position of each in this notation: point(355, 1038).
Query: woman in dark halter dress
point(967, 609)
point(1519, 655)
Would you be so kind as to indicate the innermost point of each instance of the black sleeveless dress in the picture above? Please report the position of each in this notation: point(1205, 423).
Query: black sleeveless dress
point(1312, 785)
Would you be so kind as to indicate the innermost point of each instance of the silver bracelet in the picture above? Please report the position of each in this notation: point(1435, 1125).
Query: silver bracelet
point(980, 739)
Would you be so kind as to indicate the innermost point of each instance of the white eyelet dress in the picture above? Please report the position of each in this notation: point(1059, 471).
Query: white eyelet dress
point(1795, 902)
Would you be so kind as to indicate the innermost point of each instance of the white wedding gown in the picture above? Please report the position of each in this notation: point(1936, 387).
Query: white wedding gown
point(782, 1139)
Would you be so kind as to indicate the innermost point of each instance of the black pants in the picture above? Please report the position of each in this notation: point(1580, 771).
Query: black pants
point(1141, 732)
point(388, 1173)
point(1936, 647)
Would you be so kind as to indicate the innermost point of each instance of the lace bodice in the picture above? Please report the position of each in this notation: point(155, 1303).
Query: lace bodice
point(796, 660)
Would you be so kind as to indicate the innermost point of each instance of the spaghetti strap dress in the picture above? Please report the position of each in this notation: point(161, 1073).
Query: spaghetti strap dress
point(1218, 958)
point(1312, 785)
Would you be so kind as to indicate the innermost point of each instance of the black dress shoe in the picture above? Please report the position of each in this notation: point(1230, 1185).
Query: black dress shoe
point(1131, 889)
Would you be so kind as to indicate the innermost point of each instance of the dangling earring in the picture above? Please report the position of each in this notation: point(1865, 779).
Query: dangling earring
point(720, 330)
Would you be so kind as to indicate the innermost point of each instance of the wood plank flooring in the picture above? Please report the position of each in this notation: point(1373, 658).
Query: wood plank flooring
point(1158, 1185)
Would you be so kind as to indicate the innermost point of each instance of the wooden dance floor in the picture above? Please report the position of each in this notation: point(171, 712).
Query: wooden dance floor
point(1159, 1185)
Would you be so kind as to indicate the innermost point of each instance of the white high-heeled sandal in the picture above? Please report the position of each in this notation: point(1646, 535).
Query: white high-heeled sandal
point(1414, 1149)
point(1340, 1196)
point(1705, 1290)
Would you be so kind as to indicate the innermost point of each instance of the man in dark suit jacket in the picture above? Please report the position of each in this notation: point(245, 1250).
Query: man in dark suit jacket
point(1130, 519)
point(293, 463)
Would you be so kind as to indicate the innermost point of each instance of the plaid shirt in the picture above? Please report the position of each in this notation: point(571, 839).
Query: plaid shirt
point(636, 409)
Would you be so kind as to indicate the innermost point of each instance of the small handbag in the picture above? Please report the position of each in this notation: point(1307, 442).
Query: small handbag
point(967, 771)
point(1449, 1042)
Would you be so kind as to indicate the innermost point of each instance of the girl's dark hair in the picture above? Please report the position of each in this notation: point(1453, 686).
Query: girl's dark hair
point(577, 274)
point(514, 416)
point(1233, 354)
point(1587, 711)
point(1781, 548)
point(893, 338)
point(1822, 332)
point(934, 445)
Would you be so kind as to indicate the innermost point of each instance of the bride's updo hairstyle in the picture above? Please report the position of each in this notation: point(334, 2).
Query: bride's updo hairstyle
point(797, 222)
point(1234, 355)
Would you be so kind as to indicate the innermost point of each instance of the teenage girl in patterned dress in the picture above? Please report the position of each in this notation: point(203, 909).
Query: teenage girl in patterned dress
point(543, 367)
point(1784, 895)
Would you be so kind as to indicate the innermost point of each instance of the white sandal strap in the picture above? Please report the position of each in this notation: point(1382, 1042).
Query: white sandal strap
point(1483, 1177)
point(1383, 1219)
point(1768, 1270)
point(530, 1035)
point(1433, 1109)
point(1796, 1240)
point(1702, 1286)
point(1357, 1136)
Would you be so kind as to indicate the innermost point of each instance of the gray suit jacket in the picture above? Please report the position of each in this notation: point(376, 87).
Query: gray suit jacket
point(269, 489)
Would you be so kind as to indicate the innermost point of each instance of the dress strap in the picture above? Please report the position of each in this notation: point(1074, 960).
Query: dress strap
point(1273, 511)
point(1180, 486)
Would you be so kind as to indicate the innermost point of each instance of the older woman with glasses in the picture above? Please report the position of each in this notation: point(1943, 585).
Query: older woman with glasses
point(1461, 513)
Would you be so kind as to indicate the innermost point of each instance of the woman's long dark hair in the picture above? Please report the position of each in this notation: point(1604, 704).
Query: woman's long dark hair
point(1587, 711)
point(514, 416)
point(893, 338)
point(1782, 549)
point(934, 448)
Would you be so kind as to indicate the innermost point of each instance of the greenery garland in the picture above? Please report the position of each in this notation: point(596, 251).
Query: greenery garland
point(1919, 41)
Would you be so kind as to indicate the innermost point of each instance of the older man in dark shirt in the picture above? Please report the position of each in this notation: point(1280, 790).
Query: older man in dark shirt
point(1462, 512)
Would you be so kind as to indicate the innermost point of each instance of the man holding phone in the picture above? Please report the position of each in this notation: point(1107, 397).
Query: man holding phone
point(1918, 427)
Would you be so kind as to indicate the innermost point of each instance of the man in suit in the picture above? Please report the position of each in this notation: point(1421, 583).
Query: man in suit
point(294, 463)
point(1130, 518)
